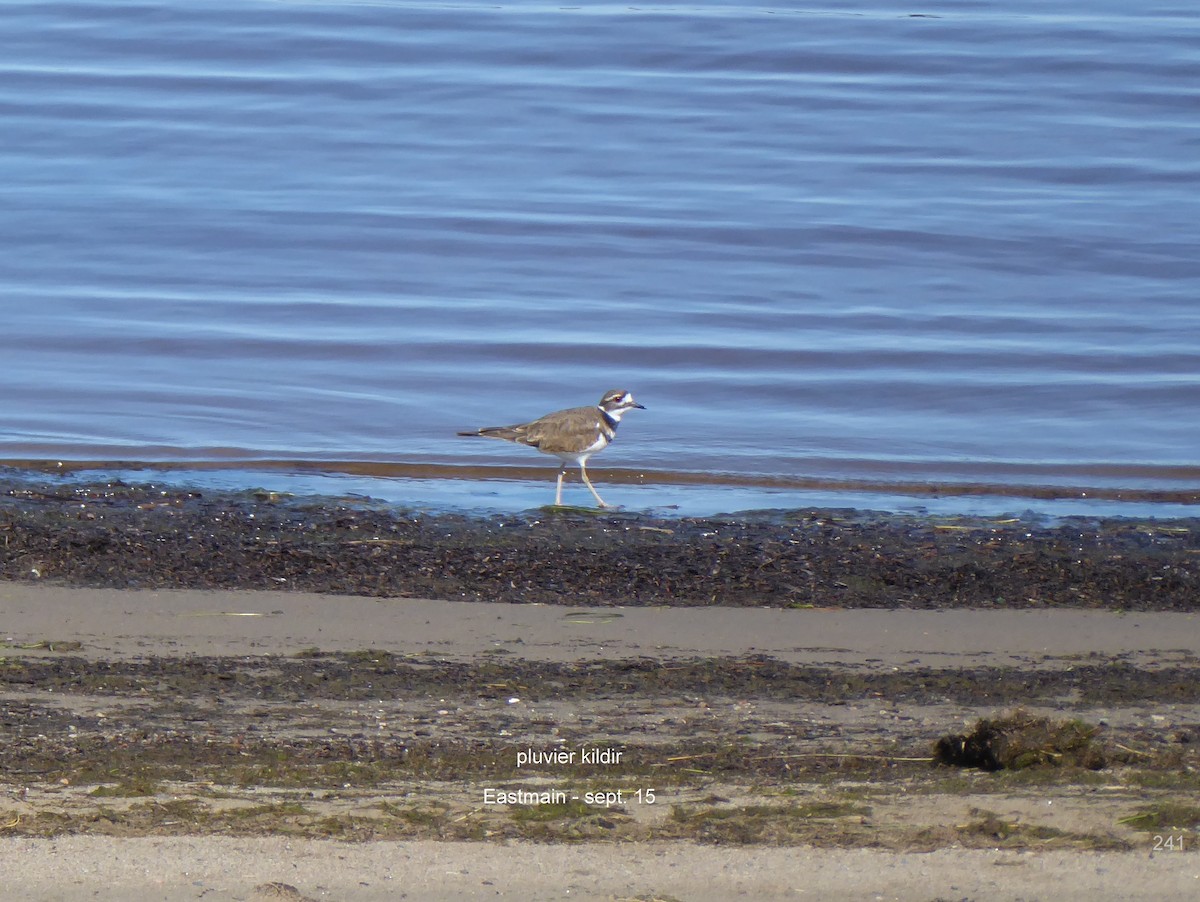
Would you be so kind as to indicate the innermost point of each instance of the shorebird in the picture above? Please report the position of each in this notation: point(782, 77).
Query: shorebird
point(571, 435)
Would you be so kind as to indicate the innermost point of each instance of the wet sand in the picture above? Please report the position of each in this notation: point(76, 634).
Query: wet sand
point(112, 624)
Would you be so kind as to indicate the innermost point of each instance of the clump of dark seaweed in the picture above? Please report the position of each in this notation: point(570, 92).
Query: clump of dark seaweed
point(1018, 740)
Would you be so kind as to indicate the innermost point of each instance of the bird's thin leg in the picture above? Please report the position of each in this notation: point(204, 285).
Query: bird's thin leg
point(562, 471)
point(583, 472)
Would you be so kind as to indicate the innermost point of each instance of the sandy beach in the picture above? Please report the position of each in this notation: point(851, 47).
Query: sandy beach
point(896, 832)
point(250, 697)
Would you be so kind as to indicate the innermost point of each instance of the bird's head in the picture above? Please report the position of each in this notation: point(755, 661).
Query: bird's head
point(616, 402)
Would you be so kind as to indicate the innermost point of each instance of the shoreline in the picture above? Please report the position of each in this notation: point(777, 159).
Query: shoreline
point(146, 537)
point(904, 484)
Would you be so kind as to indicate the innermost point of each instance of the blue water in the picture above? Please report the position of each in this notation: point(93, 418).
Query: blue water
point(866, 246)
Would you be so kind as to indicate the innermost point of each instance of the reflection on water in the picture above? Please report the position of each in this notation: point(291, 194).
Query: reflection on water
point(437, 488)
point(849, 255)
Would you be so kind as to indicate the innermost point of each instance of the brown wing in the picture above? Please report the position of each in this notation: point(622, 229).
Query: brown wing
point(561, 431)
point(552, 433)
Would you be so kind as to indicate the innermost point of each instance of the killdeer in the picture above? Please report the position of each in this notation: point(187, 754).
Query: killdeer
point(572, 435)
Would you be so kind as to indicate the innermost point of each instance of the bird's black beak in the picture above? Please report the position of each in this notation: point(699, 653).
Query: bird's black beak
point(640, 406)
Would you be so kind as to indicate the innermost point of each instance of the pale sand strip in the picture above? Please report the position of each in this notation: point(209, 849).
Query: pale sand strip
point(121, 624)
point(97, 869)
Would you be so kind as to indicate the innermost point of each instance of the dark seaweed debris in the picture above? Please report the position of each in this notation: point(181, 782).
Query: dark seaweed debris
point(1019, 740)
point(117, 535)
point(370, 674)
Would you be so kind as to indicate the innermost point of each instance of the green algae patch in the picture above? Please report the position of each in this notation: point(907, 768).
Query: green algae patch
point(1165, 816)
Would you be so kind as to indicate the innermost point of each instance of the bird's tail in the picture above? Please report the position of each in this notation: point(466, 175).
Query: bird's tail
point(508, 433)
